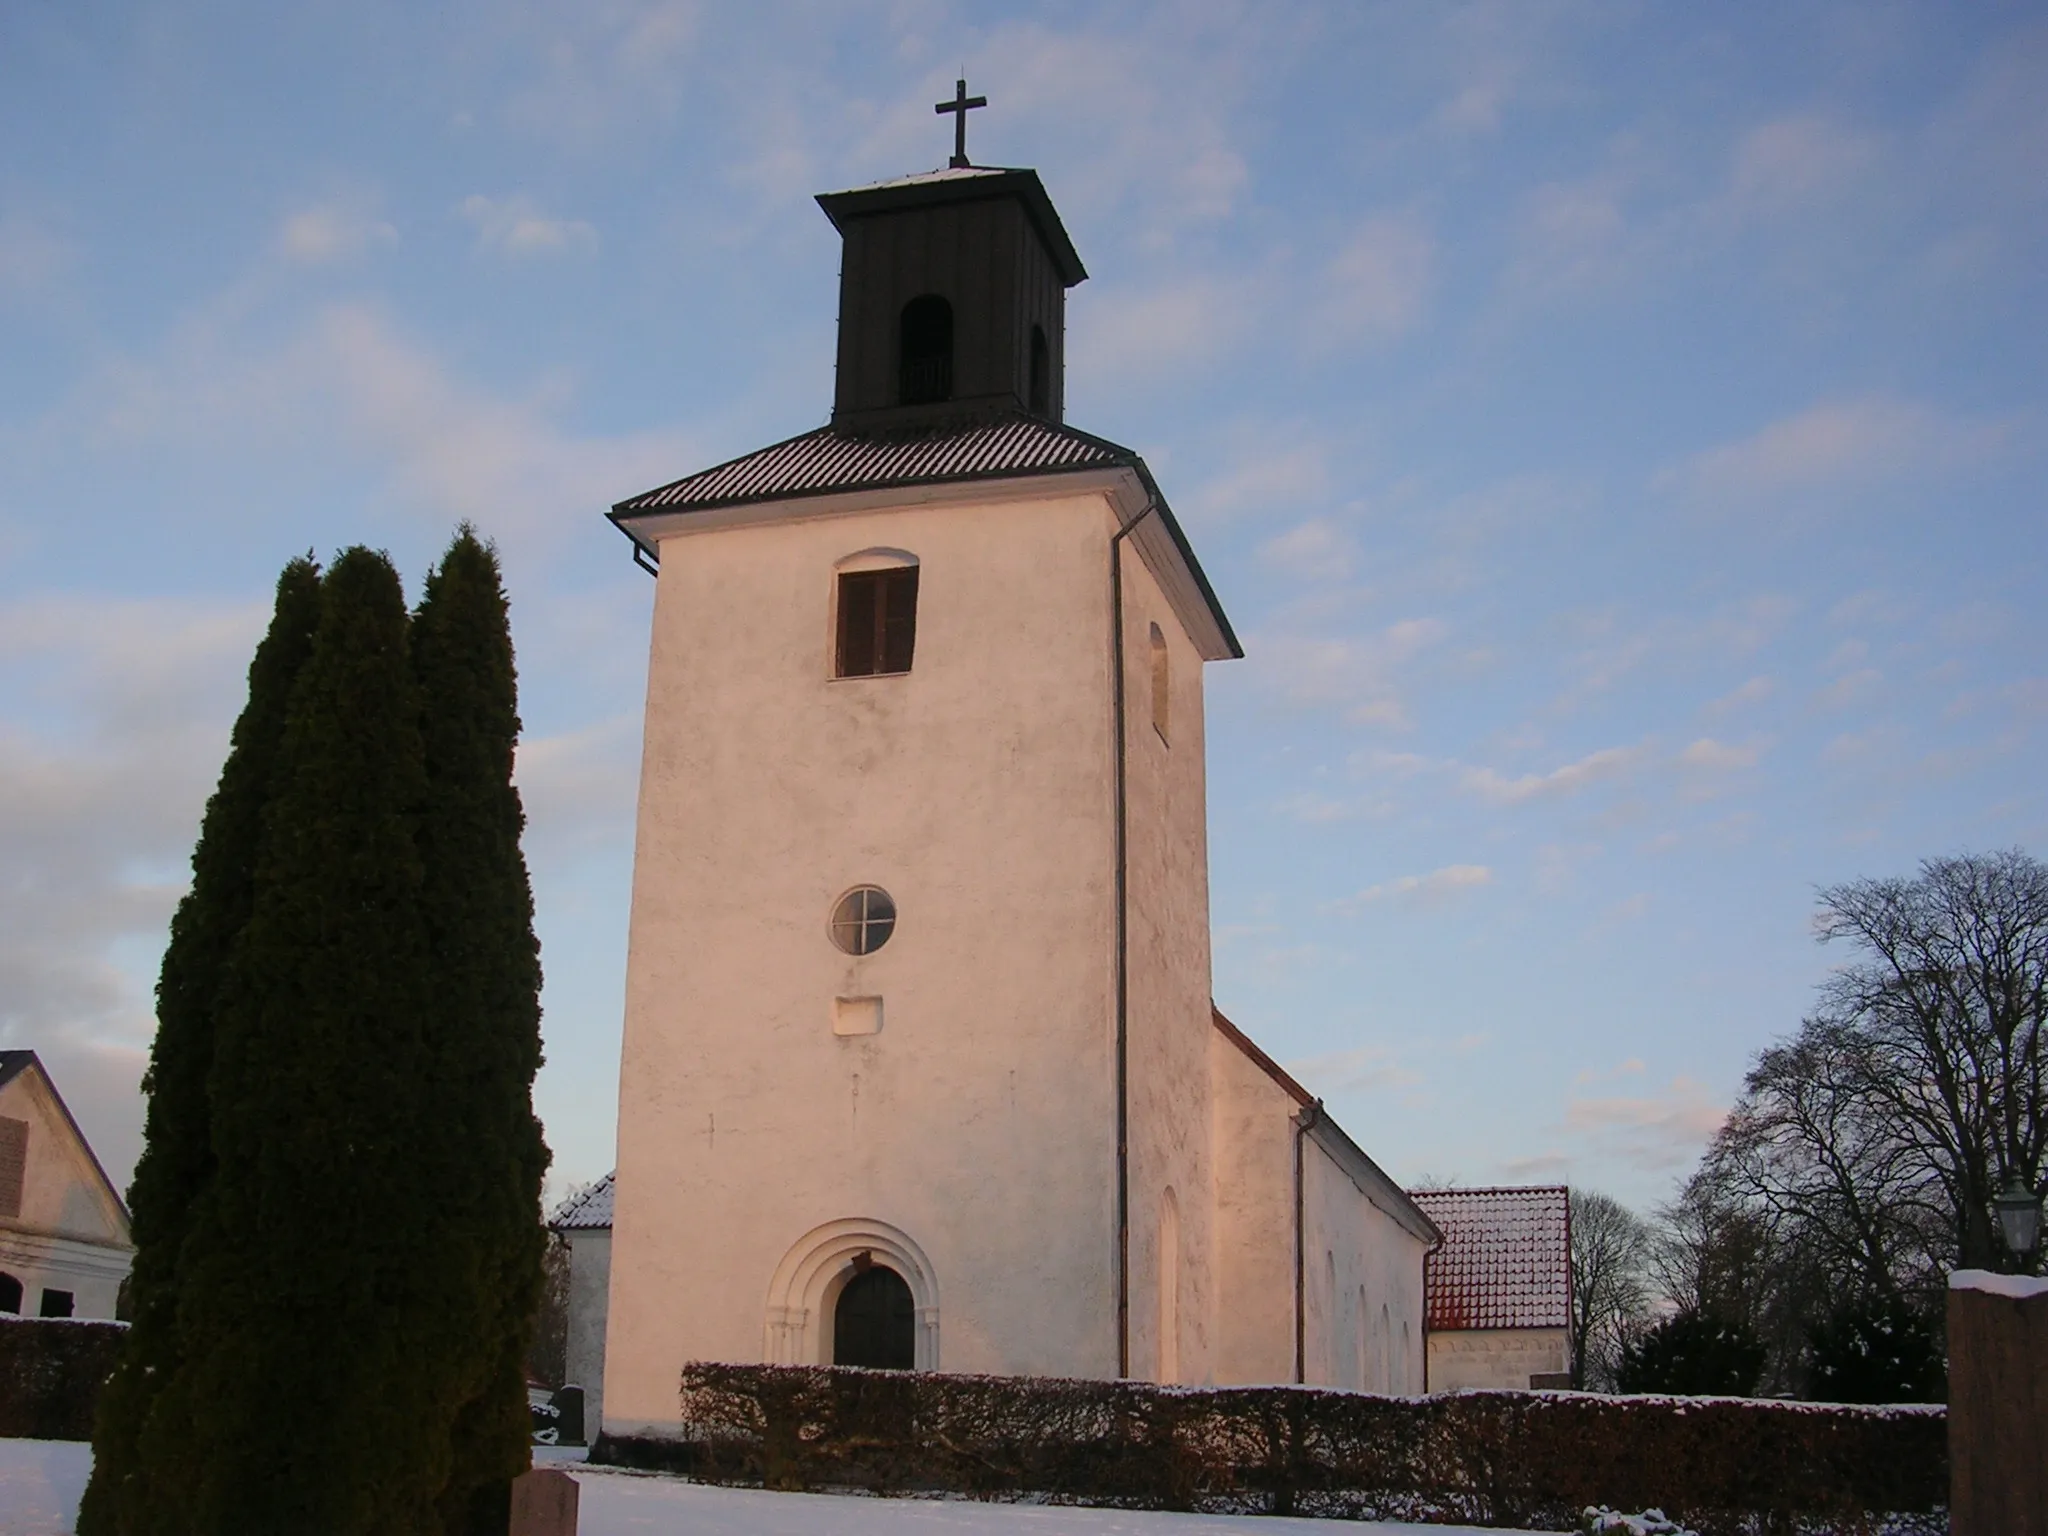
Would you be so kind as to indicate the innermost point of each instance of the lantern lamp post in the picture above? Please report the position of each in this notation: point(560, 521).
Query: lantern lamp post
point(2019, 1215)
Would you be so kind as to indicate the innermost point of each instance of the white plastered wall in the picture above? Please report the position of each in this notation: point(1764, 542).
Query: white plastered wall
point(71, 1234)
point(590, 1270)
point(1350, 1246)
point(1363, 1291)
point(1254, 1233)
point(1169, 1024)
point(1496, 1357)
point(978, 1122)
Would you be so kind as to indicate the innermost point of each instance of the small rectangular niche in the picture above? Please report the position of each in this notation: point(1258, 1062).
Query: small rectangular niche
point(856, 1015)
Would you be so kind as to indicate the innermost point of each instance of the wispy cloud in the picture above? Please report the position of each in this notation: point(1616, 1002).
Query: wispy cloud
point(1714, 756)
point(1262, 482)
point(1317, 550)
point(1380, 281)
point(1607, 764)
point(1850, 689)
point(31, 253)
point(1432, 889)
point(579, 786)
point(333, 231)
point(517, 225)
point(1360, 1069)
point(1664, 1130)
point(1753, 691)
point(581, 78)
point(350, 387)
point(1797, 162)
point(1163, 328)
point(1832, 444)
point(99, 802)
point(1358, 675)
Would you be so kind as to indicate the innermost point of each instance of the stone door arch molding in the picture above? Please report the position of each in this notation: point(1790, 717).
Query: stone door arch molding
point(808, 1281)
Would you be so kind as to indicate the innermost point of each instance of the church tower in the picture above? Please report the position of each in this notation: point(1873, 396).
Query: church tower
point(916, 1066)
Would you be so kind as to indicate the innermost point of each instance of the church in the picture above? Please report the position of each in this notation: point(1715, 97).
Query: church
point(920, 1067)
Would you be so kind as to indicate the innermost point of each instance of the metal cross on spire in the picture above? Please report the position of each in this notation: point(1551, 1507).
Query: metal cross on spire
point(959, 106)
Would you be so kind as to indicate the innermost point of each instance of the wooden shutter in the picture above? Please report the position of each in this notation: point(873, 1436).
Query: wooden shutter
point(859, 595)
point(898, 635)
point(877, 621)
point(13, 1164)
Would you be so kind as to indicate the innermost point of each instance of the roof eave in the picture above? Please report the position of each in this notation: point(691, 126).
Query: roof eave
point(1316, 1123)
point(1012, 181)
point(625, 514)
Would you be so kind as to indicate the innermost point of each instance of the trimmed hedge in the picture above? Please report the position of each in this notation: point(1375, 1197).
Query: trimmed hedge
point(1727, 1467)
point(51, 1372)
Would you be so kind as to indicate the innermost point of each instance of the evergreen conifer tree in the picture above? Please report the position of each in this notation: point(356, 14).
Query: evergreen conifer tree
point(316, 1297)
point(176, 1166)
point(484, 1034)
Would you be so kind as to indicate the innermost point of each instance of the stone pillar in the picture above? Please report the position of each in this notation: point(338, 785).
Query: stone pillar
point(1997, 1404)
point(543, 1503)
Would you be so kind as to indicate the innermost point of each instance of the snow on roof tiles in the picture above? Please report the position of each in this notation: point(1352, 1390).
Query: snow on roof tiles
point(592, 1208)
point(1505, 1261)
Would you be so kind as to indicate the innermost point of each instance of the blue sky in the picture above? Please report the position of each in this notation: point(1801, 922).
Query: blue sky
point(1614, 429)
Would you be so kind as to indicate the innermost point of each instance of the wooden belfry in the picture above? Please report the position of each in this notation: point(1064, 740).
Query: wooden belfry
point(952, 293)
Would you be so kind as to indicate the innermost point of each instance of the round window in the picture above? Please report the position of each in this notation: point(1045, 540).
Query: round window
point(863, 920)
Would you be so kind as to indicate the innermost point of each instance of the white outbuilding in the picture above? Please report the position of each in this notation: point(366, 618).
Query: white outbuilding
point(64, 1244)
point(1500, 1287)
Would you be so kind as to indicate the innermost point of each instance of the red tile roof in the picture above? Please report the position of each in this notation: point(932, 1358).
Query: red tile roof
point(591, 1208)
point(1506, 1258)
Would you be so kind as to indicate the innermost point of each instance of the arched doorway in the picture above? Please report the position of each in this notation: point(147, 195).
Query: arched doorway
point(874, 1322)
point(803, 1295)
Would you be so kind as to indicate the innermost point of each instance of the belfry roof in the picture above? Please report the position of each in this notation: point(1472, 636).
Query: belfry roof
point(958, 184)
point(835, 459)
point(1505, 1261)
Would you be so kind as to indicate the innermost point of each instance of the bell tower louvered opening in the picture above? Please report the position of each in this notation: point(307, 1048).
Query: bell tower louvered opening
point(925, 351)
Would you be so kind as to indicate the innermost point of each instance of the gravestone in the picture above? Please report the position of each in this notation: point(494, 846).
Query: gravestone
point(1997, 1404)
point(568, 1406)
point(543, 1503)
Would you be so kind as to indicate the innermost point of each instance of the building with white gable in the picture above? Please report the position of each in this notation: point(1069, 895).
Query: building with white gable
point(1499, 1288)
point(920, 1068)
point(64, 1244)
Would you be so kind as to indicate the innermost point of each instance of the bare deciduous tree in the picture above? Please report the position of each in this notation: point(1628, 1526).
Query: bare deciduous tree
point(1945, 1008)
point(1812, 1150)
point(1609, 1248)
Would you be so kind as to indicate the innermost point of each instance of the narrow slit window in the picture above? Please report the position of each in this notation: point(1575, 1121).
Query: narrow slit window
point(877, 621)
point(1041, 373)
point(1162, 692)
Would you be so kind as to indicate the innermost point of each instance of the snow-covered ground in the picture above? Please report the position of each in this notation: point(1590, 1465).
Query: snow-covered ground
point(41, 1480)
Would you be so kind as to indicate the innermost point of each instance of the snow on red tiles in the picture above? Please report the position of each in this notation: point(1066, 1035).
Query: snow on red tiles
point(1506, 1258)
